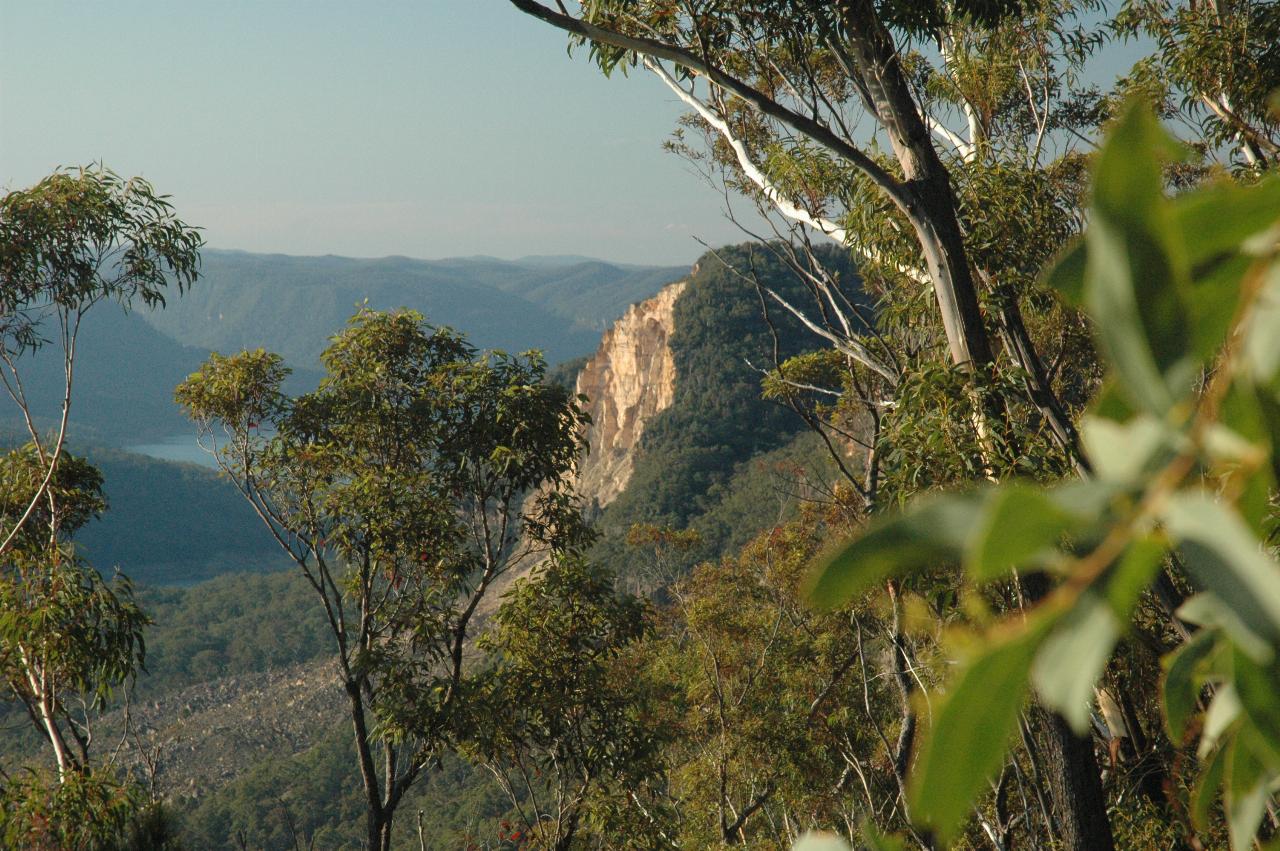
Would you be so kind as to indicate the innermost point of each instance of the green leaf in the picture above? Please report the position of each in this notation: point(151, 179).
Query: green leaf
point(1247, 789)
point(1110, 296)
point(1261, 349)
point(1226, 559)
point(1018, 523)
point(1249, 417)
point(930, 533)
point(1136, 275)
point(1128, 174)
point(1257, 687)
point(1183, 677)
point(1205, 793)
point(1216, 219)
point(1128, 577)
point(1110, 403)
point(1208, 611)
point(874, 840)
point(1065, 275)
point(1072, 658)
point(1222, 713)
point(971, 732)
point(1212, 297)
point(1122, 452)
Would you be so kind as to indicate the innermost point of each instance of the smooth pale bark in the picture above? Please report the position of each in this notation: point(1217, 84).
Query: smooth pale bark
point(1013, 330)
point(1074, 779)
point(932, 211)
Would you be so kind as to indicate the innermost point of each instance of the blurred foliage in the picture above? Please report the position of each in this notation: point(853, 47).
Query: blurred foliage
point(1183, 295)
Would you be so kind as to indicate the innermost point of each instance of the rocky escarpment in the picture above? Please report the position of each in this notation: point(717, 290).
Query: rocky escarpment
point(629, 380)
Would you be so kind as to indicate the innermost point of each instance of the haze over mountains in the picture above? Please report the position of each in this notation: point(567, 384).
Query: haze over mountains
point(292, 305)
point(129, 363)
point(240, 693)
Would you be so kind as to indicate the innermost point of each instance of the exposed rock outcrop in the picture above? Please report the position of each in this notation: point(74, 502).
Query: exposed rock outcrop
point(630, 379)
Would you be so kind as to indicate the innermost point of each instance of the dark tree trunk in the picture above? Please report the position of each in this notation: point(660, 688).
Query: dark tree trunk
point(1070, 768)
point(377, 817)
point(1074, 786)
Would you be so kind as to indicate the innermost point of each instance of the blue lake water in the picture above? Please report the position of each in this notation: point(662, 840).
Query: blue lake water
point(179, 447)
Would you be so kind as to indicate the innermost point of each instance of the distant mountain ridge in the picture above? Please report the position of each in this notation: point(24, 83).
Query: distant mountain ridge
point(292, 305)
point(129, 363)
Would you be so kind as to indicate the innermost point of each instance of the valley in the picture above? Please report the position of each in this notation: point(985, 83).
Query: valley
point(237, 686)
point(935, 505)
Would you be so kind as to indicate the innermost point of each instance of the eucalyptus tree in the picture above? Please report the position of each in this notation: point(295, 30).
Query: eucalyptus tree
point(562, 722)
point(783, 86)
point(1184, 293)
point(416, 476)
point(1217, 65)
point(69, 640)
point(938, 142)
point(77, 238)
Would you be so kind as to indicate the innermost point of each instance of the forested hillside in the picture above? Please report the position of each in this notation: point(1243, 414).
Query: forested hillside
point(125, 375)
point(720, 437)
point(173, 524)
point(129, 362)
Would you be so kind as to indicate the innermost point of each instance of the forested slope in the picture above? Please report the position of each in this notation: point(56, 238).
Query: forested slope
point(170, 523)
point(714, 439)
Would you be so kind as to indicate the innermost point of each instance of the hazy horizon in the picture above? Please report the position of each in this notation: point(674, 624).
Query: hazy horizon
point(446, 129)
point(568, 257)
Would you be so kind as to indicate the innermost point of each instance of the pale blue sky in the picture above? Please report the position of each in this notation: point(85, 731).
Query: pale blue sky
point(430, 128)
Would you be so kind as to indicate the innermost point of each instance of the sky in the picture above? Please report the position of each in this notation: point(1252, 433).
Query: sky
point(433, 128)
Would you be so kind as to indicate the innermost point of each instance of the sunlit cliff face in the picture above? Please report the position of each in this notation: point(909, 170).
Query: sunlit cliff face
point(630, 379)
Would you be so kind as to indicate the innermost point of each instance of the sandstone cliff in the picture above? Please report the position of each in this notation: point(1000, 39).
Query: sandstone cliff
point(630, 379)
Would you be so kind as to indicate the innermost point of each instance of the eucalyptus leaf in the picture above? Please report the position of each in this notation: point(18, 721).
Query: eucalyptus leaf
point(1223, 711)
point(1213, 299)
point(1257, 687)
point(1205, 793)
point(1248, 415)
point(1118, 316)
point(1248, 790)
point(1261, 349)
point(1224, 557)
point(931, 533)
point(1217, 219)
point(1122, 452)
point(971, 732)
point(1073, 656)
point(877, 841)
point(1132, 573)
point(1207, 610)
point(1136, 279)
point(1183, 674)
point(1065, 275)
point(1018, 523)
